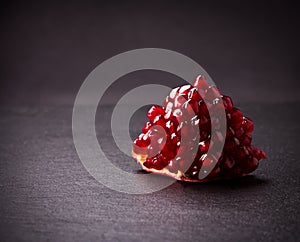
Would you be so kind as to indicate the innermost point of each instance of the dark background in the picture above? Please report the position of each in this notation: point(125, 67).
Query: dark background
point(250, 48)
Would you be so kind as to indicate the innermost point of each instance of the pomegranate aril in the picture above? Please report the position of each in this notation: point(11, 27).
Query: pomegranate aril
point(177, 113)
point(188, 109)
point(203, 146)
point(241, 152)
point(262, 155)
point(204, 123)
point(250, 165)
point(228, 163)
point(258, 154)
point(246, 139)
point(159, 120)
point(170, 126)
point(184, 90)
point(194, 172)
point(203, 109)
point(194, 95)
point(235, 117)
point(169, 150)
point(148, 163)
point(239, 131)
point(146, 127)
point(248, 125)
point(201, 83)
point(158, 162)
point(142, 141)
point(154, 111)
point(227, 103)
point(204, 135)
point(229, 133)
point(231, 143)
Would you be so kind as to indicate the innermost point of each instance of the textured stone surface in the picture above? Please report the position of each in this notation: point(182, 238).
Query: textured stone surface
point(46, 194)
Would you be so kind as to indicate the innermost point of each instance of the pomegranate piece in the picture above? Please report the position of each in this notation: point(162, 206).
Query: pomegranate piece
point(158, 148)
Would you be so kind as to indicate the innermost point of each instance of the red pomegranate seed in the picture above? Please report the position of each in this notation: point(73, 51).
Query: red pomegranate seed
point(146, 127)
point(227, 103)
point(248, 125)
point(200, 83)
point(142, 141)
point(155, 111)
point(246, 139)
point(235, 117)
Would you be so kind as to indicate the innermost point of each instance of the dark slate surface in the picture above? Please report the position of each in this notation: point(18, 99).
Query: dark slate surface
point(46, 194)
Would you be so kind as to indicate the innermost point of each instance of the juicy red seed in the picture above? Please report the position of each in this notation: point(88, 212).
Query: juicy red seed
point(262, 155)
point(231, 143)
point(146, 127)
point(169, 151)
point(158, 162)
point(184, 90)
point(203, 111)
point(191, 106)
point(179, 101)
point(239, 131)
point(246, 139)
point(241, 152)
point(257, 153)
point(236, 117)
point(159, 120)
point(228, 163)
point(174, 139)
point(204, 123)
point(194, 171)
point(148, 163)
point(227, 103)
point(229, 133)
point(201, 83)
point(195, 122)
point(254, 162)
point(248, 125)
point(140, 144)
point(155, 111)
point(250, 165)
point(203, 146)
point(177, 113)
point(204, 135)
point(194, 95)
point(170, 126)
point(142, 141)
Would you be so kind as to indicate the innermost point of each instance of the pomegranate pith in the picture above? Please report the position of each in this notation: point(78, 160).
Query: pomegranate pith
point(158, 148)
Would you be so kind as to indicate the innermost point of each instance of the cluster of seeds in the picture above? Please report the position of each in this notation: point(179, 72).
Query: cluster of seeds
point(184, 112)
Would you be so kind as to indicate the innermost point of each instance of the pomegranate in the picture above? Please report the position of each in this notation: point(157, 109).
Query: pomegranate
point(157, 147)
